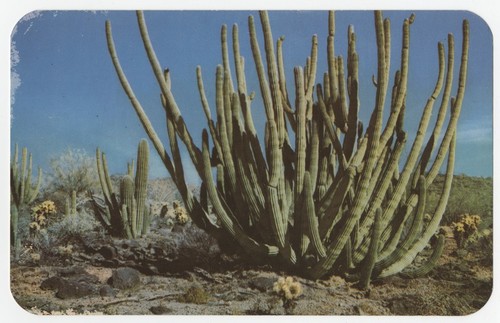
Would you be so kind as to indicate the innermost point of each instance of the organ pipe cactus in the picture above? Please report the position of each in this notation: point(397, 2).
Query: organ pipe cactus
point(333, 199)
point(22, 191)
point(125, 214)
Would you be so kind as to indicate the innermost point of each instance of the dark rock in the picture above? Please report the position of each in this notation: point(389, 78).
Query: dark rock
point(177, 228)
point(108, 252)
point(125, 278)
point(71, 271)
point(262, 283)
point(72, 289)
point(107, 291)
point(52, 283)
point(159, 310)
point(130, 244)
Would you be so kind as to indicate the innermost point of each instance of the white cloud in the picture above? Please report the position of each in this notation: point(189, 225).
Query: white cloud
point(475, 134)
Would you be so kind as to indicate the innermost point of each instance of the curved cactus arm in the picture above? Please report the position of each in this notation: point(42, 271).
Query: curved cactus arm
point(34, 189)
point(181, 127)
point(250, 188)
point(433, 225)
point(259, 66)
point(146, 123)
point(287, 107)
point(174, 148)
point(310, 77)
point(332, 74)
point(224, 132)
point(232, 227)
point(372, 255)
point(431, 262)
point(395, 249)
point(206, 109)
point(329, 127)
point(101, 210)
point(362, 197)
point(273, 76)
point(456, 107)
point(378, 196)
point(228, 112)
point(225, 56)
point(445, 99)
point(341, 105)
point(330, 214)
point(415, 150)
point(310, 222)
point(401, 87)
point(352, 87)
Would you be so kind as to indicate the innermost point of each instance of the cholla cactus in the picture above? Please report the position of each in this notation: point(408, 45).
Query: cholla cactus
point(465, 228)
point(181, 215)
point(287, 288)
point(40, 215)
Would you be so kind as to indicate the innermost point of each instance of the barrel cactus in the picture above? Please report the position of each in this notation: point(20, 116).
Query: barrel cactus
point(321, 193)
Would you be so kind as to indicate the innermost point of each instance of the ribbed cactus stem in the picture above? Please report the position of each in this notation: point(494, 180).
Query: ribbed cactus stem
point(126, 216)
point(433, 225)
point(372, 255)
point(431, 262)
point(300, 141)
point(141, 182)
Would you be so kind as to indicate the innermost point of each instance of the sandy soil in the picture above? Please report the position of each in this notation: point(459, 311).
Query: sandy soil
point(461, 284)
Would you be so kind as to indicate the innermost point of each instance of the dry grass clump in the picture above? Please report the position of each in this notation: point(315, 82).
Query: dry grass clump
point(194, 295)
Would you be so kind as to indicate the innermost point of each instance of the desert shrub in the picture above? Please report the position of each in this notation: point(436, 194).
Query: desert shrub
point(74, 227)
point(465, 228)
point(473, 195)
point(194, 295)
point(73, 170)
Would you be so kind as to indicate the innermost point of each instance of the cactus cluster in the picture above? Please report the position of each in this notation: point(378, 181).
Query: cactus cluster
point(22, 191)
point(125, 214)
point(322, 193)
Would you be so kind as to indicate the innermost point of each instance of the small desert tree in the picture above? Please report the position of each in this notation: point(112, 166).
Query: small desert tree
point(72, 170)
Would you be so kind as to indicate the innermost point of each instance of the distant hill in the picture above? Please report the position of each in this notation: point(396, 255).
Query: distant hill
point(472, 195)
point(468, 194)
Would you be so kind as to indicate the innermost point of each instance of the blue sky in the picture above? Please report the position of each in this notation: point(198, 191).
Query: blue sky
point(65, 92)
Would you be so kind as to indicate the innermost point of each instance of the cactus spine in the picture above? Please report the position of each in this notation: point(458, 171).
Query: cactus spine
point(125, 215)
point(337, 192)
